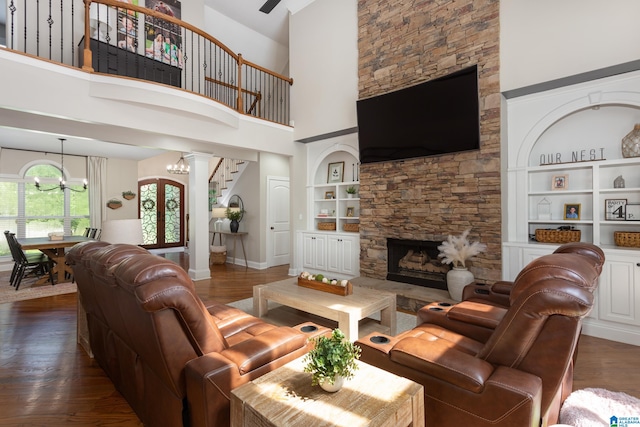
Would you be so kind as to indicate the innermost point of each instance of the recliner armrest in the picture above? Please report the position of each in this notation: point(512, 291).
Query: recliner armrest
point(441, 360)
point(479, 314)
point(497, 294)
point(264, 348)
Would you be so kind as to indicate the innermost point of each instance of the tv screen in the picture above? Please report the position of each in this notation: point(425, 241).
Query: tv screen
point(431, 118)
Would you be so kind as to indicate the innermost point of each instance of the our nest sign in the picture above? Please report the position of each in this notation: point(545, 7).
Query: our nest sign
point(575, 156)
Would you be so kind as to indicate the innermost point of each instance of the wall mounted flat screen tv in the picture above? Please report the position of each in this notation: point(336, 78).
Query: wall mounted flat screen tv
point(435, 117)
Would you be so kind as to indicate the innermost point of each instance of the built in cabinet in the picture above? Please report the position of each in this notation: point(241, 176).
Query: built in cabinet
point(331, 244)
point(564, 149)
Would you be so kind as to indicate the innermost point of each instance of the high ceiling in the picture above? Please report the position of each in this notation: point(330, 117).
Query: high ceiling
point(274, 25)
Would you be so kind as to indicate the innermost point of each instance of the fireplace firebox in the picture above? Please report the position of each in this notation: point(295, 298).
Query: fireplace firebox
point(416, 262)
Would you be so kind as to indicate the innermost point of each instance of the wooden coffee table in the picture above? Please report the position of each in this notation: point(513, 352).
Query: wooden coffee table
point(285, 397)
point(346, 310)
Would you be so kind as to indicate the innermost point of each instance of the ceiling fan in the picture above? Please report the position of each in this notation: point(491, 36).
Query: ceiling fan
point(268, 6)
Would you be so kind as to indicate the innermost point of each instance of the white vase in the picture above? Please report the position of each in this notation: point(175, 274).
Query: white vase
point(457, 279)
point(338, 382)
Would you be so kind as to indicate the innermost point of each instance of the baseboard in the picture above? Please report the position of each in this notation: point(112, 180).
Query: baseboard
point(598, 329)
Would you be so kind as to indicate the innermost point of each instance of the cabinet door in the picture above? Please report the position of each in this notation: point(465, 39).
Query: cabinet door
point(341, 255)
point(314, 251)
point(619, 290)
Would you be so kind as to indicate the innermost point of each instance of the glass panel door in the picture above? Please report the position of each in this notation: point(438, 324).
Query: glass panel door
point(161, 210)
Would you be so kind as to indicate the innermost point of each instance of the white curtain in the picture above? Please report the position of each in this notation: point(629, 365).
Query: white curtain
point(97, 190)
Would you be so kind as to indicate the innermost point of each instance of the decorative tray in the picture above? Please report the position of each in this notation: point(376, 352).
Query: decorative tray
point(326, 287)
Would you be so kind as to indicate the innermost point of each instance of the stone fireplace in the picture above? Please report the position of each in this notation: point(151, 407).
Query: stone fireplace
point(428, 198)
point(416, 262)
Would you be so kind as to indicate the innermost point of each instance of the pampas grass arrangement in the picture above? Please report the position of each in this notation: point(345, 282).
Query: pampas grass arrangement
point(457, 250)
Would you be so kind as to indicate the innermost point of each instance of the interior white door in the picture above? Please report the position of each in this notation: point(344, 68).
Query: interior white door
point(278, 222)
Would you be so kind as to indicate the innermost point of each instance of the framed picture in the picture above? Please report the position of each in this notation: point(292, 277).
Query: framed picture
point(560, 182)
point(335, 172)
point(632, 211)
point(351, 211)
point(572, 211)
point(329, 195)
point(615, 209)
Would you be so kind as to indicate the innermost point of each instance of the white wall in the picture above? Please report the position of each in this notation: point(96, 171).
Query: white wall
point(544, 40)
point(323, 54)
point(253, 46)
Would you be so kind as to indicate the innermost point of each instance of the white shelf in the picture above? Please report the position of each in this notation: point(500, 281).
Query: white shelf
point(589, 185)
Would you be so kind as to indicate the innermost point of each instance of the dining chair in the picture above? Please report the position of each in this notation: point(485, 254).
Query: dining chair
point(37, 264)
point(86, 232)
point(93, 232)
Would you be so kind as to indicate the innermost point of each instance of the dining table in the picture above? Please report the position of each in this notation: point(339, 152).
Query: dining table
point(54, 249)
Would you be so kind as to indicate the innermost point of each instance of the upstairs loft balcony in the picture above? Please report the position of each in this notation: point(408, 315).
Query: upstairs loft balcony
point(118, 38)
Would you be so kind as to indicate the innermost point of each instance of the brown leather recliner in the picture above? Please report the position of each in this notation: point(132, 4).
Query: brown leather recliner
point(498, 293)
point(516, 377)
point(147, 324)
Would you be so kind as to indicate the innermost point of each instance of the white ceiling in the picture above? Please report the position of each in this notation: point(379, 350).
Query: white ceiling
point(21, 139)
point(274, 25)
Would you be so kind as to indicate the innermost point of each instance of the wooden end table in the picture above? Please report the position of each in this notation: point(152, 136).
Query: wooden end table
point(346, 310)
point(285, 397)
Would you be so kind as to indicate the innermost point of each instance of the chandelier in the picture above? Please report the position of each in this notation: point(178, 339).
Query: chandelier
point(180, 168)
point(62, 185)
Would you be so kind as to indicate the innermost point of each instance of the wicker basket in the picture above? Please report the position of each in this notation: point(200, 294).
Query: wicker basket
point(354, 228)
point(218, 254)
point(629, 239)
point(327, 226)
point(557, 236)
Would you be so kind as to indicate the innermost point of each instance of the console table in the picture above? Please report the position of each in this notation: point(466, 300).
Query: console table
point(285, 397)
point(110, 59)
point(239, 235)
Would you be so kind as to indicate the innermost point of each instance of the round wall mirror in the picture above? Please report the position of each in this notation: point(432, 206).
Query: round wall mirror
point(236, 202)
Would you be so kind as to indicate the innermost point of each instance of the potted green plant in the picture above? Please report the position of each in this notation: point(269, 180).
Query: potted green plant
point(332, 360)
point(114, 203)
point(351, 191)
point(129, 195)
point(235, 215)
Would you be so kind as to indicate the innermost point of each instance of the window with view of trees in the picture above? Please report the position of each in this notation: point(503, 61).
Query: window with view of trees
point(29, 212)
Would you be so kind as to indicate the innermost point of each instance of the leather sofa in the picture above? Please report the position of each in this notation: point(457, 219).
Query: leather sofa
point(174, 360)
point(514, 377)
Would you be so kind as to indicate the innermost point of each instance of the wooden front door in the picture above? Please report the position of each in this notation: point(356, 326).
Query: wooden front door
point(161, 208)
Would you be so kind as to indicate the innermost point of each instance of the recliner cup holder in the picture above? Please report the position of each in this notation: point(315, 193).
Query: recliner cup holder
point(378, 339)
point(309, 328)
point(436, 308)
point(444, 304)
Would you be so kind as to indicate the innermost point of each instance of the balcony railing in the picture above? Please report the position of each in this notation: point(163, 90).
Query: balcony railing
point(119, 38)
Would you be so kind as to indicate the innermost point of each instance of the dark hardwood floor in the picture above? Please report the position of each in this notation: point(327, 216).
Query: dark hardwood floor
point(46, 379)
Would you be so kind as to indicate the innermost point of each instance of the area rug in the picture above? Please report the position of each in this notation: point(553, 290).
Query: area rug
point(28, 290)
point(595, 407)
point(287, 316)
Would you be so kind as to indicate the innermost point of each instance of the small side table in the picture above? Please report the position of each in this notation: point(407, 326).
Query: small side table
point(239, 235)
point(285, 397)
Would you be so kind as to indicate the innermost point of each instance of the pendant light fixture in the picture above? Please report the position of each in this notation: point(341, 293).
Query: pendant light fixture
point(62, 185)
point(180, 168)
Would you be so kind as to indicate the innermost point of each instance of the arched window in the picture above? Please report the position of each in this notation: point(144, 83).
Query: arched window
point(30, 212)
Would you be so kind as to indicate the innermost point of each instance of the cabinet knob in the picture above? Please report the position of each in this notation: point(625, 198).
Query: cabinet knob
point(638, 264)
point(272, 228)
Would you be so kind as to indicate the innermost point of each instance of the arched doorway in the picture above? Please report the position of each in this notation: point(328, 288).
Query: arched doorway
point(161, 209)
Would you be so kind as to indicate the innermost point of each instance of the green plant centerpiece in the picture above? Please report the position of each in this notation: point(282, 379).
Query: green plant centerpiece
point(332, 360)
point(235, 214)
point(351, 190)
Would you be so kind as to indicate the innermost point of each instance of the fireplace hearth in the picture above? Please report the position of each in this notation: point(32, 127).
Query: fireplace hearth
point(416, 262)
